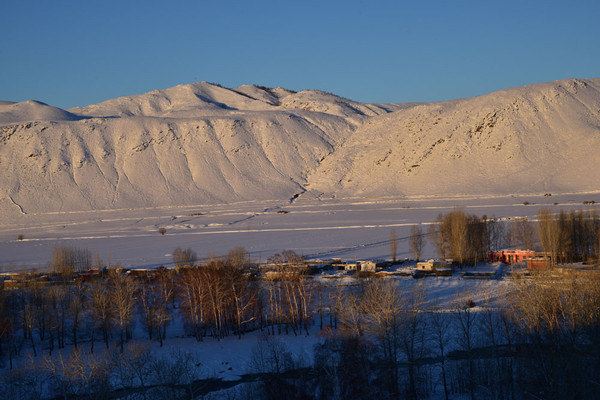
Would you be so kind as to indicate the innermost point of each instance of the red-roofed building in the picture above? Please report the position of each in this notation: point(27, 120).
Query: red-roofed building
point(538, 263)
point(512, 256)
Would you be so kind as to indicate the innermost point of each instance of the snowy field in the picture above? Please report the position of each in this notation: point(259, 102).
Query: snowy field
point(350, 228)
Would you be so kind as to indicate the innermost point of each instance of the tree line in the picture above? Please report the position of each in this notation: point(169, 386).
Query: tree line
point(565, 237)
point(220, 297)
point(570, 236)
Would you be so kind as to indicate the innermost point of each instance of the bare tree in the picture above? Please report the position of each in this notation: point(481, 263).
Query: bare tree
point(382, 305)
point(412, 334)
point(522, 234)
point(122, 299)
point(102, 312)
point(349, 310)
point(57, 297)
point(193, 299)
point(497, 233)
point(271, 358)
point(549, 232)
point(440, 324)
point(29, 317)
point(63, 371)
point(463, 237)
point(466, 340)
point(172, 376)
point(597, 243)
point(243, 291)
point(6, 325)
point(459, 234)
point(416, 242)
point(76, 376)
point(24, 382)
point(393, 245)
point(77, 309)
point(135, 367)
point(184, 257)
point(68, 260)
point(220, 295)
point(343, 367)
point(440, 236)
point(154, 301)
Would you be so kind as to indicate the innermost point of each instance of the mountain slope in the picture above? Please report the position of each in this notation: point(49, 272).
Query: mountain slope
point(190, 144)
point(538, 138)
point(140, 161)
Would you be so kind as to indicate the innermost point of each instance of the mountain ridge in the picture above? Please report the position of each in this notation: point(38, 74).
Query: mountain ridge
point(203, 143)
point(189, 144)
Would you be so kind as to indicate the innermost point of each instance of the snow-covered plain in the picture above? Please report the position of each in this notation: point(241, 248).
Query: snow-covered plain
point(350, 228)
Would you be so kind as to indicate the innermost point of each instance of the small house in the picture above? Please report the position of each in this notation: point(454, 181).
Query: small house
point(350, 266)
point(346, 266)
point(431, 265)
point(367, 266)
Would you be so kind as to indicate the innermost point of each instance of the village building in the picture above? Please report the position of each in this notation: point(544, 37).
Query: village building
point(9, 283)
point(431, 265)
point(512, 256)
point(367, 266)
point(538, 263)
point(346, 266)
point(535, 260)
point(362, 265)
point(350, 266)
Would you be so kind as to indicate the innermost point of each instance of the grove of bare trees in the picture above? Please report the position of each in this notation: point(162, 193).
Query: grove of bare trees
point(68, 260)
point(220, 297)
point(570, 237)
point(184, 257)
point(462, 237)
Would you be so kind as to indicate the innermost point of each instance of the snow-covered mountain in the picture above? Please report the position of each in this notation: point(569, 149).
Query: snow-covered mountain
point(189, 144)
point(203, 143)
point(533, 139)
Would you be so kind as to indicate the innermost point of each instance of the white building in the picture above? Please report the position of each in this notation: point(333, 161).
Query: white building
point(431, 265)
point(366, 265)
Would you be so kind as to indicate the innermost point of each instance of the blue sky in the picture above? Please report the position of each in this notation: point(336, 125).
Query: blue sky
point(70, 53)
